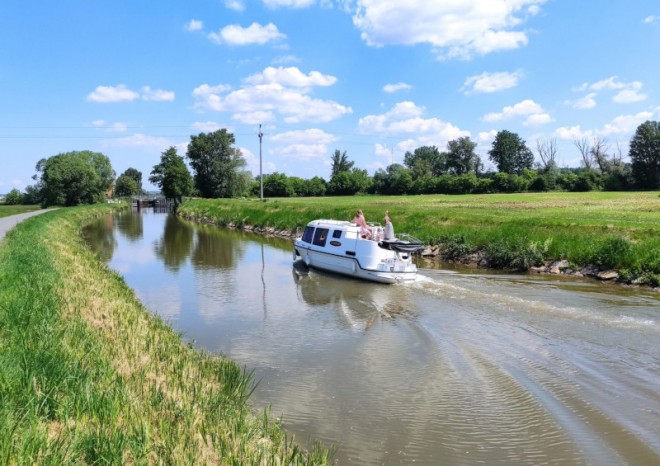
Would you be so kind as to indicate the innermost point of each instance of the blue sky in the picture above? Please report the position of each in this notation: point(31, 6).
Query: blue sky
point(374, 78)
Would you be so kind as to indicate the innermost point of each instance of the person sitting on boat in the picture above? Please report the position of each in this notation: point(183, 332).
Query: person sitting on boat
point(362, 223)
point(389, 228)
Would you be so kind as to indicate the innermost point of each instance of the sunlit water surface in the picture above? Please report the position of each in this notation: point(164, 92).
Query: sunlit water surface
point(456, 368)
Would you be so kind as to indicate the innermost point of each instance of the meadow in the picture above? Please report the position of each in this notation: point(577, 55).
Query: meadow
point(7, 210)
point(89, 376)
point(608, 230)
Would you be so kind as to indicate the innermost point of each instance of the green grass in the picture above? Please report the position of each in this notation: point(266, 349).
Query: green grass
point(7, 210)
point(515, 231)
point(89, 376)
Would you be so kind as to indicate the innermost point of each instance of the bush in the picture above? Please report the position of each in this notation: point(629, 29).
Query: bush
point(516, 255)
point(455, 246)
point(613, 253)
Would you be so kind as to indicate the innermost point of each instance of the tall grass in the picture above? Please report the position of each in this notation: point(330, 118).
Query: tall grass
point(88, 376)
point(514, 231)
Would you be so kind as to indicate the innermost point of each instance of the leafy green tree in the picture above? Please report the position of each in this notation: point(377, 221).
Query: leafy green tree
point(136, 175)
point(510, 154)
point(425, 161)
point(317, 186)
point(645, 155)
point(277, 185)
point(74, 178)
point(340, 163)
point(171, 175)
point(396, 179)
point(461, 157)
point(14, 197)
point(349, 183)
point(126, 186)
point(216, 165)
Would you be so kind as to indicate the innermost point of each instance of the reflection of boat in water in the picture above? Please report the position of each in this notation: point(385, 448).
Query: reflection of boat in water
point(358, 304)
point(337, 246)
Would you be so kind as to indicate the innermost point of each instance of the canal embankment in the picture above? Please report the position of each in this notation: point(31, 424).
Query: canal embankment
point(607, 236)
point(88, 375)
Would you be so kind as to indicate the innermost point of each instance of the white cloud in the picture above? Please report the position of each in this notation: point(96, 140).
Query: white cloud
point(391, 88)
point(105, 94)
point(117, 127)
point(622, 126)
point(626, 96)
point(288, 3)
point(302, 145)
point(571, 132)
point(286, 59)
point(586, 102)
point(538, 119)
point(194, 25)
point(263, 102)
point(235, 5)
point(290, 77)
point(253, 34)
point(157, 95)
point(491, 82)
point(455, 29)
point(651, 19)
point(524, 108)
point(405, 118)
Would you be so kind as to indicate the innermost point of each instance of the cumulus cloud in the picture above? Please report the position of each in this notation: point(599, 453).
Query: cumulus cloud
point(622, 126)
point(406, 119)
point(194, 25)
point(491, 82)
point(454, 29)
point(304, 145)
point(105, 94)
point(117, 127)
point(626, 96)
point(291, 77)
point(157, 95)
point(628, 92)
point(391, 88)
point(584, 103)
point(651, 19)
point(283, 93)
point(525, 108)
point(253, 34)
point(207, 126)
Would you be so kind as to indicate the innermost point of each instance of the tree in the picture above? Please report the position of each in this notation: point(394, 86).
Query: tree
point(277, 185)
point(216, 163)
point(171, 175)
point(136, 175)
point(126, 186)
point(510, 153)
point(461, 158)
point(340, 163)
point(396, 179)
point(585, 151)
point(645, 155)
point(425, 161)
point(347, 183)
point(14, 197)
point(547, 151)
point(74, 178)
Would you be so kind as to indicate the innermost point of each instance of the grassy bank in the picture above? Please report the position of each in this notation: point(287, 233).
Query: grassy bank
point(7, 210)
point(514, 231)
point(88, 376)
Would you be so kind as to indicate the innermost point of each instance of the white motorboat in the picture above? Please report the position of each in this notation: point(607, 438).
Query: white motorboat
point(337, 246)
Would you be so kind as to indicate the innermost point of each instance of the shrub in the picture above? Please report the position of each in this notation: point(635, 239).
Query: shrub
point(613, 252)
point(14, 197)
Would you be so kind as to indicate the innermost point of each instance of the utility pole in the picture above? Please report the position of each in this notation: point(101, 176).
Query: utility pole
point(261, 175)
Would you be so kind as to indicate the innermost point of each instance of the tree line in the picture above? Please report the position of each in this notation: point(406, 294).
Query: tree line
point(218, 171)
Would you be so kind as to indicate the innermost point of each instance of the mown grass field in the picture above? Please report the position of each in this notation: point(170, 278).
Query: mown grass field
point(7, 210)
point(607, 229)
point(89, 376)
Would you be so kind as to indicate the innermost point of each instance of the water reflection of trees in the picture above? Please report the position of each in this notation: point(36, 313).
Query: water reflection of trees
point(217, 248)
point(175, 245)
point(359, 303)
point(100, 238)
point(130, 224)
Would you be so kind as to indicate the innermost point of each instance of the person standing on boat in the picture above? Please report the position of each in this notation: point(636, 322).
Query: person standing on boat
point(362, 223)
point(389, 228)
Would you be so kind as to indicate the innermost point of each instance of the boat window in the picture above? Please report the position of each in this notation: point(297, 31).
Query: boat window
point(336, 234)
point(308, 235)
point(320, 236)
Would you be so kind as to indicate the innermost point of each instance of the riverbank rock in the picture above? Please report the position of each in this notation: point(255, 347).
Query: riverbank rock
point(608, 275)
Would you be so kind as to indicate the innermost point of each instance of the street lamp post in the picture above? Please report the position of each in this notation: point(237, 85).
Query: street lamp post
point(261, 176)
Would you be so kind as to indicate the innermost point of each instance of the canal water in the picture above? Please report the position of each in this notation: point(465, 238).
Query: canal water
point(457, 368)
